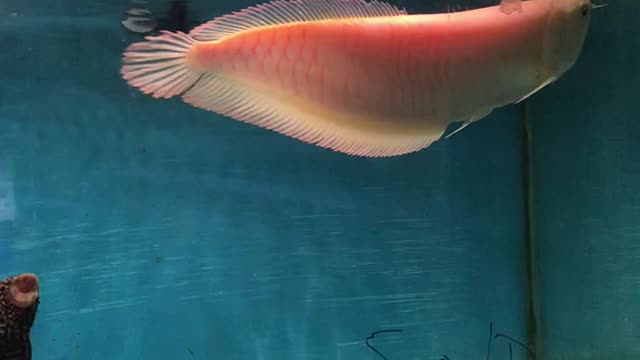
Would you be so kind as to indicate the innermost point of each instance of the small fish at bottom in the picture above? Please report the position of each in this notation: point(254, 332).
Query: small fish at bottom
point(19, 300)
point(362, 78)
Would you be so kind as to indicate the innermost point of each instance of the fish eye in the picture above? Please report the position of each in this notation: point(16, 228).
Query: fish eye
point(584, 9)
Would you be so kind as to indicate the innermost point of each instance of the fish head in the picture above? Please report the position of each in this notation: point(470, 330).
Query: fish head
point(568, 23)
point(19, 300)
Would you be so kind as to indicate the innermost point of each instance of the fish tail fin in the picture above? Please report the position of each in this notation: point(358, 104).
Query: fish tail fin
point(158, 66)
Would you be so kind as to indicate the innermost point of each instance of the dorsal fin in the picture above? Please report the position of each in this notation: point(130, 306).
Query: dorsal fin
point(281, 12)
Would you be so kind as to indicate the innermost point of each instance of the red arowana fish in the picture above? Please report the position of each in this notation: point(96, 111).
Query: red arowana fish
point(362, 78)
point(19, 300)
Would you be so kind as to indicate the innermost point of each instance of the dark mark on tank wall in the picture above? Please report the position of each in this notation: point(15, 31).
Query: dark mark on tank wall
point(373, 335)
point(511, 341)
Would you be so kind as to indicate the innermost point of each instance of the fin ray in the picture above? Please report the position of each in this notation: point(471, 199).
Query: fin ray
point(532, 92)
point(243, 103)
point(462, 126)
point(280, 12)
point(157, 66)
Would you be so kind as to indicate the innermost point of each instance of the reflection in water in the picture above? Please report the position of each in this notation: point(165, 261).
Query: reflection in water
point(141, 20)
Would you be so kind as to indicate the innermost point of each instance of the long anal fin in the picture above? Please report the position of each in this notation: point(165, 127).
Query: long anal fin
point(293, 119)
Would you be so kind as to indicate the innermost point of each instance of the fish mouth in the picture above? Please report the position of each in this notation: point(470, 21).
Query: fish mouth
point(24, 290)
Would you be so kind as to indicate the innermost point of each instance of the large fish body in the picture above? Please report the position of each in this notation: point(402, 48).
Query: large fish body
point(362, 78)
point(19, 300)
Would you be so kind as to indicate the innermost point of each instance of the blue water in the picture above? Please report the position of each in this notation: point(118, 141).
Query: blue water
point(160, 231)
point(587, 209)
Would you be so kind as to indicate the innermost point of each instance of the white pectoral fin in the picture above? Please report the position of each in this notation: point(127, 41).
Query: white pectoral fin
point(465, 123)
point(545, 83)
